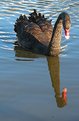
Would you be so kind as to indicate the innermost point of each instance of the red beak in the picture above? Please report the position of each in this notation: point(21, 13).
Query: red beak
point(67, 33)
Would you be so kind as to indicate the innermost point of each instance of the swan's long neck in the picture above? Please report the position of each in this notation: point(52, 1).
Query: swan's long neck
point(54, 45)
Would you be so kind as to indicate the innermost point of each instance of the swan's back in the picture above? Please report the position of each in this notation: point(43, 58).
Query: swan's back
point(33, 30)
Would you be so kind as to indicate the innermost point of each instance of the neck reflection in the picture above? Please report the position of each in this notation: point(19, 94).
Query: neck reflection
point(54, 70)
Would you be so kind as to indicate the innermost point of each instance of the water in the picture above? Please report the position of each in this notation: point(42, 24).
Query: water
point(30, 84)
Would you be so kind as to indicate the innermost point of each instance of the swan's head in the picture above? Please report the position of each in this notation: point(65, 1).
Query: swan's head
point(66, 24)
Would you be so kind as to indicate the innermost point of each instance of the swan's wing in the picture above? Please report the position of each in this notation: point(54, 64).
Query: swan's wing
point(41, 33)
point(44, 25)
point(37, 25)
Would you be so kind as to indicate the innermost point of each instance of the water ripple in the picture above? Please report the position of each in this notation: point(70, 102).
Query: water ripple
point(11, 9)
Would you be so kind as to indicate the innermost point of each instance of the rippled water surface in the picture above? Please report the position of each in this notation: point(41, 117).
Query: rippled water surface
point(31, 85)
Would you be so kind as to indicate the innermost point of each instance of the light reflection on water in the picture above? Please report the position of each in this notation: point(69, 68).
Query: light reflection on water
point(26, 78)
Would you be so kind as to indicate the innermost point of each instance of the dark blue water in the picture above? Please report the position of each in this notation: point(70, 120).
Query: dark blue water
point(31, 84)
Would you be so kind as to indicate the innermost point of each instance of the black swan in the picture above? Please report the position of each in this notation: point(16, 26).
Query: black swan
point(36, 33)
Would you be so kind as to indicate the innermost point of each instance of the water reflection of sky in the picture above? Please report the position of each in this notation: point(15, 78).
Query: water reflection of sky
point(28, 82)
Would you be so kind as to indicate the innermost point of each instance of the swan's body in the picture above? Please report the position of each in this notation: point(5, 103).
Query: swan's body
point(36, 33)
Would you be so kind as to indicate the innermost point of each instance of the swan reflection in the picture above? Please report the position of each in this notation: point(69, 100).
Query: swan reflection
point(54, 70)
